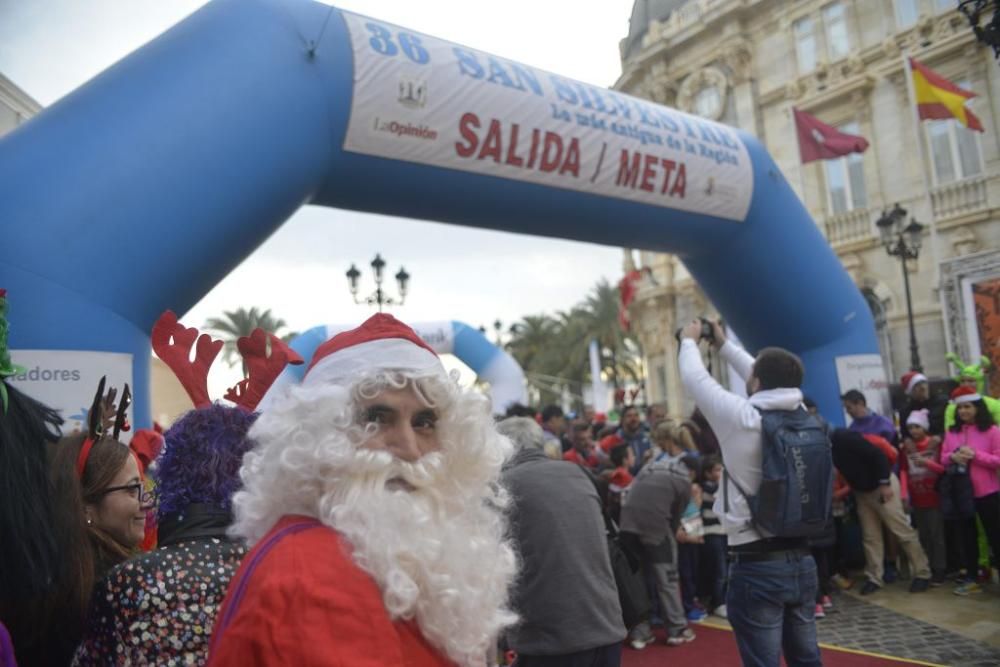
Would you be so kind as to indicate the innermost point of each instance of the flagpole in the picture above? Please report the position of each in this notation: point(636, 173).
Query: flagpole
point(924, 163)
point(802, 166)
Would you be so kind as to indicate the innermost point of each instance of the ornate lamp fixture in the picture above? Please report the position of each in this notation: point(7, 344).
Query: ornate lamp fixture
point(989, 32)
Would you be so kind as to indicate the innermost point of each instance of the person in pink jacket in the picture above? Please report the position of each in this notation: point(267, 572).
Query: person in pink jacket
point(973, 444)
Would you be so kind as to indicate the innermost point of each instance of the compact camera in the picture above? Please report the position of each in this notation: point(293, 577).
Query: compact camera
point(707, 332)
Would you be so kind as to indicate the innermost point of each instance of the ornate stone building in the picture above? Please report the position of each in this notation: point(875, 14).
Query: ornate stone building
point(747, 63)
point(16, 106)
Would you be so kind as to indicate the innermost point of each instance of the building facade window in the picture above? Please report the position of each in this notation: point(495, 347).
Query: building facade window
point(954, 148)
point(805, 44)
point(706, 102)
point(845, 179)
point(907, 12)
point(838, 43)
point(822, 36)
point(955, 151)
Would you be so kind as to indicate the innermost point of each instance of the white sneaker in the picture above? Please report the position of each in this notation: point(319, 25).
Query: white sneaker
point(641, 642)
point(686, 635)
point(720, 611)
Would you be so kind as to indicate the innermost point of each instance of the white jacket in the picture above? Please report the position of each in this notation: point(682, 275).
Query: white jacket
point(736, 423)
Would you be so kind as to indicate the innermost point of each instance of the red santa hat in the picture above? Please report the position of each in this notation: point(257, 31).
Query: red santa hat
point(911, 380)
point(382, 343)
point(611, 441)
point(920, 418)
point(964, 395)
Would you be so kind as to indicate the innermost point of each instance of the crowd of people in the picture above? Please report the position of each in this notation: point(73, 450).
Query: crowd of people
point(378, 514)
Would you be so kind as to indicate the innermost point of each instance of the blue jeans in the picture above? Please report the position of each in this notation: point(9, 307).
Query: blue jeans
point(688, 568)
point(770, 605)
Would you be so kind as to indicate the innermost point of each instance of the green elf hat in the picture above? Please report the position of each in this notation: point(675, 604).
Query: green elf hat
point(7, 367)
point(976, 371)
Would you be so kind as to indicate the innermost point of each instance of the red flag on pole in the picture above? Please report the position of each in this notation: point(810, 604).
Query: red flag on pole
point(626, 289)
point(819, 141)
point(939, 99)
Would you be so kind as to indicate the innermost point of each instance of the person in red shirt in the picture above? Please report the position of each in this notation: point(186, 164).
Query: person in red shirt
point(622, 458)
point(373, 504)
point(891, 542)
point(921, 467)
point(583, 452)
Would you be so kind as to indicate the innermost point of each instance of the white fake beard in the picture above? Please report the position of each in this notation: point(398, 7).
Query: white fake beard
point(439, 559)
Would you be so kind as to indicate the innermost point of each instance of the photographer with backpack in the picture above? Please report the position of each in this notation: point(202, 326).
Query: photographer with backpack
point(776, 493)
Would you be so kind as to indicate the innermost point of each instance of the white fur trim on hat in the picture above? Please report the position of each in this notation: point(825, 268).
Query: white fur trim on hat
point(966, 398)
point(914, 381)
point(920, 418)
point(346, 366)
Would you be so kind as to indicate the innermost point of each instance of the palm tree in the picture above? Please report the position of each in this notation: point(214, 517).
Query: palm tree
point(554, 351)
point(241, 322)
point(601, 317)
point(534, 343)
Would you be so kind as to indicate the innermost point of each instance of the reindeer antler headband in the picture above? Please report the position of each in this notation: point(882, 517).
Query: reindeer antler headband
point(193, 375)
point(102, 416)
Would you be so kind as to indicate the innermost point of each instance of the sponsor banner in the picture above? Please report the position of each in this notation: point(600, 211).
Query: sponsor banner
point(865, 373)
point(439, 335)
point(67, 379)
point(421, 99)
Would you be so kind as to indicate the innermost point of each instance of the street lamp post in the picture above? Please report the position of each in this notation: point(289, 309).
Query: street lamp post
point(378, 297)
point(903, 242)
point(512, 331)
point(989, 32)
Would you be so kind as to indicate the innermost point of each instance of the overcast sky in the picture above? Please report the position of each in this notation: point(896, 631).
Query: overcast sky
point(50, 47)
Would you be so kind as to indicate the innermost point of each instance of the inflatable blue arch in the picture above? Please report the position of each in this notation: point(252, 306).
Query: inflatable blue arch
point(142, 189)
point(489, 362)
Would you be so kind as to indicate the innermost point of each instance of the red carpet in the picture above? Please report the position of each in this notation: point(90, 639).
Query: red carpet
point(717, 647)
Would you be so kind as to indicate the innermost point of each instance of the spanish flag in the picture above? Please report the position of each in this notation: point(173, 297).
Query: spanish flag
point(940, 99)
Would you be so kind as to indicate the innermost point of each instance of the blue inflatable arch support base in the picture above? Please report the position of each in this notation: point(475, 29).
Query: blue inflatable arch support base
point(142, 189)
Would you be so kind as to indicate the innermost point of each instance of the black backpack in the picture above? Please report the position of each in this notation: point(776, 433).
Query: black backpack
point(795, 497)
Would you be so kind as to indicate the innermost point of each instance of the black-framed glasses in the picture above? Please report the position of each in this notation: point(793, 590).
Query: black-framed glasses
point(136, 490)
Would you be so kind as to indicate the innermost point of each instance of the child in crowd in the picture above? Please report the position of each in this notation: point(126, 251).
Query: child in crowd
point(622, 458)
point(920, 466)
point(690, 538)
point(971, 451)
point(712, 554)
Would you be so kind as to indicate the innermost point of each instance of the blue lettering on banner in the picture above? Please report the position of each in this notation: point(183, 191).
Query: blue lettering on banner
point(381, 43)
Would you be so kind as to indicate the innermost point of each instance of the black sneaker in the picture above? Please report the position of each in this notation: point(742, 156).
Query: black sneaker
point(919, 585)
point(870, 587)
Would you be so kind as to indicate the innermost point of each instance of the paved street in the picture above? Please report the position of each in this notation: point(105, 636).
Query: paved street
point(936, 627)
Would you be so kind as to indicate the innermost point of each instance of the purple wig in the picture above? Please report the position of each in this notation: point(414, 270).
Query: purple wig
point(201, 458)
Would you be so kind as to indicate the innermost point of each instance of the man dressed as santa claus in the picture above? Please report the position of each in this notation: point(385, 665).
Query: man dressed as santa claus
point(373, 506)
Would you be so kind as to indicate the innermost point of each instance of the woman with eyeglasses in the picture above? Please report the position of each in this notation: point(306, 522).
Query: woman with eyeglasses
point(100, 509)
point(131, 622)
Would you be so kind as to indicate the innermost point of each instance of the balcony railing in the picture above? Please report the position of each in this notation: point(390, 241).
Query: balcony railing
point(959, 198)
point(854, 225)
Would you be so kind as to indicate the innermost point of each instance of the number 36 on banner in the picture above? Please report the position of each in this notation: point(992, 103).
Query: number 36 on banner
point(382, 42)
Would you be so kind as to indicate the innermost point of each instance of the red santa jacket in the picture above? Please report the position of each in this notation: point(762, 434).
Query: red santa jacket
point(299, 599)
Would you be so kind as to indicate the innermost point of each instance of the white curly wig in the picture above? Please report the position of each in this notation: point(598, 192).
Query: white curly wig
point(438, 552)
